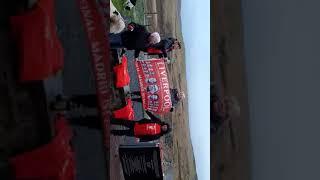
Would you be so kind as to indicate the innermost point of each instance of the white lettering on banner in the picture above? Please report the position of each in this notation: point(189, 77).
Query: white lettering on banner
point(87, 15)
point(166, 87)
point(167, 104)
point(165, 84)
point(89, 21)
point(153, 107)
point(161, 66)
point(105, 106)
point(167, 98)
point(101, 76)
point(164, 80)
point(102, 84)
point(95, 47)
point(161, 101)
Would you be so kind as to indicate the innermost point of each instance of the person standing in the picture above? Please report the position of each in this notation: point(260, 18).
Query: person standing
point(163, 47)
point(144, 129)
point(68, 103)
point(136, 37)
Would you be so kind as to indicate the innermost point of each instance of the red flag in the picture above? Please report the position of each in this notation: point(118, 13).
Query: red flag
point(154, 85)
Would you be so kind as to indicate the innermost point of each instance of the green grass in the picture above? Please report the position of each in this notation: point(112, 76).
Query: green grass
point(136, 14)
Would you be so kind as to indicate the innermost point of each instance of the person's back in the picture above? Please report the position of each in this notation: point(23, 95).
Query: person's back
point(176, 97)
point(165, 43)
point(137, 38)
point(164, 46)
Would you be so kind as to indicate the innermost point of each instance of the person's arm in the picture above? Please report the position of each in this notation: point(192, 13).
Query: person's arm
point(160, 55)
point(164, 53)
point(153, 117)
point(160, 46)
point(174, 91)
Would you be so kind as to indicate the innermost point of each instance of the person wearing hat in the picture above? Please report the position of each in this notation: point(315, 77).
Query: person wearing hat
point(163, 47)
point(136, 37)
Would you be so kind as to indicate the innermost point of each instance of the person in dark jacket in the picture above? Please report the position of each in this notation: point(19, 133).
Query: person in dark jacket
point(176, 97)
point(144, 129)
point(163, 47)
point(68, 103)
point(136, 37)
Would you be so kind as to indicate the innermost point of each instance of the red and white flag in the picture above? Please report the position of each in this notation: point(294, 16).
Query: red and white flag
point(154, 85)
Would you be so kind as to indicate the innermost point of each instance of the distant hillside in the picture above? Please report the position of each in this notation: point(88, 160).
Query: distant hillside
point(169, 24)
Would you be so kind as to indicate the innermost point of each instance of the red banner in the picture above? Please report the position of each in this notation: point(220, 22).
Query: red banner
point(95, 27)
point(154, 85)
point(104, 9)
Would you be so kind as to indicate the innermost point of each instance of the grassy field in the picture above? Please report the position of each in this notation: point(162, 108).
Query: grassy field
point(135, 15)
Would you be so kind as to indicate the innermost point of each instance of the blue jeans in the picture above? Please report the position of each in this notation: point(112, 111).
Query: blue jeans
point(115, 41)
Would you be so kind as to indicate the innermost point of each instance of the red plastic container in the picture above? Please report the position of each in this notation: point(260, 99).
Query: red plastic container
point(126, 112)
point(53, 161)
point(122, 74)
point(40, 50)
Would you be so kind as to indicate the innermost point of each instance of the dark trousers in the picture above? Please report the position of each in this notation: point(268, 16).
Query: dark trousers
point(89, 100)
point(94, 122)
point(91, 122)
point(115, 41)
point(125, 123)
point(137, 93)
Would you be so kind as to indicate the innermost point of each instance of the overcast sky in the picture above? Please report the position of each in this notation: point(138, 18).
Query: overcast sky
point(196, 34)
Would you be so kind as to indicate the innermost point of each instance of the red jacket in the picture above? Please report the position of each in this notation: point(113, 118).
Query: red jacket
point(151, 50)
point(147, 129)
